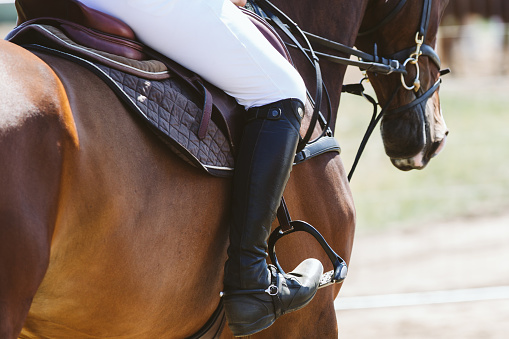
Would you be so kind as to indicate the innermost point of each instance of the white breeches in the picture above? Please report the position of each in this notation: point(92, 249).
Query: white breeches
point(215, 40)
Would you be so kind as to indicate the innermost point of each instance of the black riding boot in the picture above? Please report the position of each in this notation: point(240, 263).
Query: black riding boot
point(255, 294)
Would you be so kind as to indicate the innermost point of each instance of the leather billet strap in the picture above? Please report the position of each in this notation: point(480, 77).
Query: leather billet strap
point(207, 109)
point(283, 216)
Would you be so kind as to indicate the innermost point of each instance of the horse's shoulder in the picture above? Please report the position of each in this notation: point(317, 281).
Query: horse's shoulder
point(31, 91)
point(23, 69)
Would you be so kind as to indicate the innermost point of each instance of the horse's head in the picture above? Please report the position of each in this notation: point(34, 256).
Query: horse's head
point(413, 128)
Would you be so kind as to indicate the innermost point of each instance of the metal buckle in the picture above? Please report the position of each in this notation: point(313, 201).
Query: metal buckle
point(272, 290)
point(394, 65)
point(414, 60)
point(417, 83)
point(419, 40)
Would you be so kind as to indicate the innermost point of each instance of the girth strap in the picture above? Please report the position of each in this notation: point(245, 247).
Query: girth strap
point(214, 326)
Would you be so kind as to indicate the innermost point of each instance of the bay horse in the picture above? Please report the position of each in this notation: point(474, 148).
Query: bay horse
point(106, 233)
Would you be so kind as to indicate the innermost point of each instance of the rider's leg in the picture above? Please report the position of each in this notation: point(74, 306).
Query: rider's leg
point(262, 168)
point(213, 39)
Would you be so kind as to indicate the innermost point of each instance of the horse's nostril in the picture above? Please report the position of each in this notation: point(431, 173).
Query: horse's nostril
point(440, 146)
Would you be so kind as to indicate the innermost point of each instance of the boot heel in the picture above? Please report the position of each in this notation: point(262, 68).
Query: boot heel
point(249, 313)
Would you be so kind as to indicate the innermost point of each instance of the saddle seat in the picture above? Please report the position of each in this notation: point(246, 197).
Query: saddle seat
point(91, 28)
point(73, 11)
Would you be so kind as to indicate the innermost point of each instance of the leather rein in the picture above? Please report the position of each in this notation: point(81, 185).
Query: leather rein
point(396, 63)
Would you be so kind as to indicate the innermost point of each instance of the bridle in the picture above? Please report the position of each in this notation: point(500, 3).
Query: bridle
point(420, 49)
point(395, 63)
point(410, 56)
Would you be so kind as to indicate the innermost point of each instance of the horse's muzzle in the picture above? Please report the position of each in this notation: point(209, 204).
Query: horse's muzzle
point(422, 159)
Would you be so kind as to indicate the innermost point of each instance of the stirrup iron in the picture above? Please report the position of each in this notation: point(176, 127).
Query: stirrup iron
point(335, 276)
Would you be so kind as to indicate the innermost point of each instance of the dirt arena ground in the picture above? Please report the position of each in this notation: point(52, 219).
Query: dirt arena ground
point(455, 255)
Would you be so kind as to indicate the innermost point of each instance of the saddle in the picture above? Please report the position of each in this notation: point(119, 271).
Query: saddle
point(198, 121)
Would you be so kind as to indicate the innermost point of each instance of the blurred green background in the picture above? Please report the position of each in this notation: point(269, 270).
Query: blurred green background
point(7, 11)
point(7, 16)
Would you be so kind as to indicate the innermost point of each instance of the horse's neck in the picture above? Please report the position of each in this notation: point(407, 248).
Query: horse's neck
point(335, 20)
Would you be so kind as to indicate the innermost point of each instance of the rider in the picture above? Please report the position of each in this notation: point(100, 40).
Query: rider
point(214, 39)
